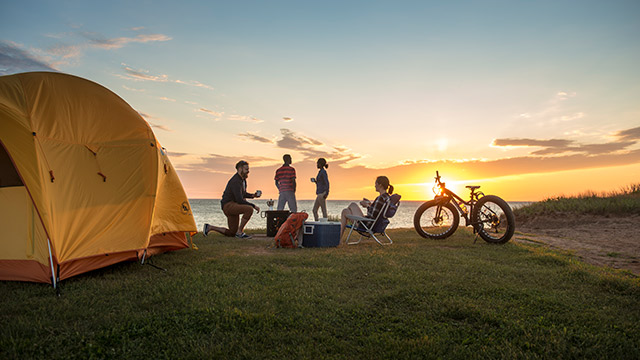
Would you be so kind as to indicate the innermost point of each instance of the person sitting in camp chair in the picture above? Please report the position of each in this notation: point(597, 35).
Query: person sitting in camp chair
point(375, 210)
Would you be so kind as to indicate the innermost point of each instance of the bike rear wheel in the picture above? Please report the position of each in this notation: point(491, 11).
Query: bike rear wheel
point(436, 221)
point(493, 219)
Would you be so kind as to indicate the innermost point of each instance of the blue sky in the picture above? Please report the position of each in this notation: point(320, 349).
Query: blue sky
point(373, 85)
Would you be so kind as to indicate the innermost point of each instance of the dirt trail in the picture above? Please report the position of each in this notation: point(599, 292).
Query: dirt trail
point(598, 240)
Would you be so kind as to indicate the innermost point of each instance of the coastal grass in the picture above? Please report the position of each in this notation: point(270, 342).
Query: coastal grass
point(625, 201)
point(418, 298)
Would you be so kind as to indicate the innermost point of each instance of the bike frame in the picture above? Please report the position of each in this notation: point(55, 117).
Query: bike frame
point(445, 195)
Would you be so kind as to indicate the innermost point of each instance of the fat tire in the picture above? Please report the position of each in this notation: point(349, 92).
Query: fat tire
point(433, 203)
point(506, 209)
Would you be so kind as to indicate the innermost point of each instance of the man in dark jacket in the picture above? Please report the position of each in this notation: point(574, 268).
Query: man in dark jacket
point(234, 204)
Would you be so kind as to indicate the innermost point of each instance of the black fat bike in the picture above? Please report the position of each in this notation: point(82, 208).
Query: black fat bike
point(490, 216)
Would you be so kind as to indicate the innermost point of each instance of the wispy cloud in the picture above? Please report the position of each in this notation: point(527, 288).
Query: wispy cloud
point(98, 41)
point(625, 140)
point(309, 147)
point(132, 89)
point(14, 59)
point(256, 138)
point(160, 127)
point(629, 134)
point(287, 119)
point(146, 75)
point(245, 118)
point(211, 112)
point(291, 140)
point(154, 125)
point(69, 48)
point(554, 111)
point(531, 142)
point(225, 164)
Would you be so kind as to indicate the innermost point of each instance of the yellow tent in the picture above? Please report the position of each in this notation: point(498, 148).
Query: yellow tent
point(84, 183)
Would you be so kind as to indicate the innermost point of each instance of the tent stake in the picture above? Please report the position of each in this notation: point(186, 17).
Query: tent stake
point(53, 273)
point(143, 256)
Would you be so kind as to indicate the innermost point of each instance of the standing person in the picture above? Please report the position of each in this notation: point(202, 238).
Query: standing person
point(234, 204)
point(286, 183)
point(322, 189)
point(373, 208)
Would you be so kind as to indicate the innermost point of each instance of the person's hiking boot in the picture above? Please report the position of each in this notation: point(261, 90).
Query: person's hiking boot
point(243, 236)
point(205, 229)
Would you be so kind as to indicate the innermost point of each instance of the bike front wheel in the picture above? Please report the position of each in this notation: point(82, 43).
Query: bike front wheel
point(433, 220)
point(493, 219)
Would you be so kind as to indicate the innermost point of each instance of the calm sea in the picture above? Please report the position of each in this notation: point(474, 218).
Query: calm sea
point(208, 211)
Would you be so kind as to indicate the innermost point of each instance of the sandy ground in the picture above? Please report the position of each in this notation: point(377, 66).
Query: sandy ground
point(598, 240)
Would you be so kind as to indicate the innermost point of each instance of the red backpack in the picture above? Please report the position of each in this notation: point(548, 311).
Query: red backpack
point(287, 236)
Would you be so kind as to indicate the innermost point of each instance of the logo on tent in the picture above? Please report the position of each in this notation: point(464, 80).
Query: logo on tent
point(185, 207)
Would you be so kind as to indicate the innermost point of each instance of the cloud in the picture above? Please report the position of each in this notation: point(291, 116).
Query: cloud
point(210, 112)
point(225, 164)
point(167, 99)
point(554, 111)
point(244, 118)
point(629, 134)
point(597, 149)
point(257, 138)
point(576, 116)
point(160, 127)
point(146, 75)
point(148, 118)
point(287, 119)
point(98, 41)
point(625, 139)
point(177, 154)
point(14, 59)
point(563, 95)
point(133, 89)
point(291, 140)
point(532, 142)
point(64, 53)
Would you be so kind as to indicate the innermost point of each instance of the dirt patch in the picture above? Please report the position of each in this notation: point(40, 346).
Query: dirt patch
point(598, 240)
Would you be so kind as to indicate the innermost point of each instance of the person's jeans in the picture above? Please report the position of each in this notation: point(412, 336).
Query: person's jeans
point(290, 198)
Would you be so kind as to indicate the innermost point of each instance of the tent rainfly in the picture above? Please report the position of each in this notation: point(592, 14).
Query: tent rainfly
point(84, 183)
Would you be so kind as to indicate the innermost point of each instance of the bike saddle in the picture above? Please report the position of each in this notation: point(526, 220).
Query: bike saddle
point(473, 187)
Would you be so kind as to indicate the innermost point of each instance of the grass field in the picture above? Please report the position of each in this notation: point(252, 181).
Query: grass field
point(414, 299)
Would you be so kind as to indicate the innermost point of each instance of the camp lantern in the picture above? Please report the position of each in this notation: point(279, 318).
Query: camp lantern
point(84, 183)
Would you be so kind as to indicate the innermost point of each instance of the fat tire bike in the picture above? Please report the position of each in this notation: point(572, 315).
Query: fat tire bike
point(490, 216)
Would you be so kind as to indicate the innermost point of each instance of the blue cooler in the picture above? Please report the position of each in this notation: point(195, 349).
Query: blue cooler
point(320, 234)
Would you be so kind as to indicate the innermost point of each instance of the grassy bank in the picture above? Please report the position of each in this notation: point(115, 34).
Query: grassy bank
point(624, 202)
point(415, 299)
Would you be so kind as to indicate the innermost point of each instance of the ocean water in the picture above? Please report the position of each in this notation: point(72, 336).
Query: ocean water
point(209, 211)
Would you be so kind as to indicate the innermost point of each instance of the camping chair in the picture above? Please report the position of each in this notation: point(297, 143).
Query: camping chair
point(368, 227)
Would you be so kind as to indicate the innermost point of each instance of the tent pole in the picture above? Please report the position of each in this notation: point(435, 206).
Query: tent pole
point(53, 273)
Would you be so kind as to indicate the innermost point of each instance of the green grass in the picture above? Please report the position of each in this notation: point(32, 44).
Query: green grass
point(414, 299)
point(626, 201)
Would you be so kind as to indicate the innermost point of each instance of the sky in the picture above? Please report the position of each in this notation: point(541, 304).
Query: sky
point(528, 99)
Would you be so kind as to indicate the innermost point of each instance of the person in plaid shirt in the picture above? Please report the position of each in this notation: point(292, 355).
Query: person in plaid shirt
point(373, 208)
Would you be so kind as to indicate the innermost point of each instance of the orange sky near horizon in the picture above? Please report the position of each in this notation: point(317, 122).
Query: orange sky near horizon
point(415, 182)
